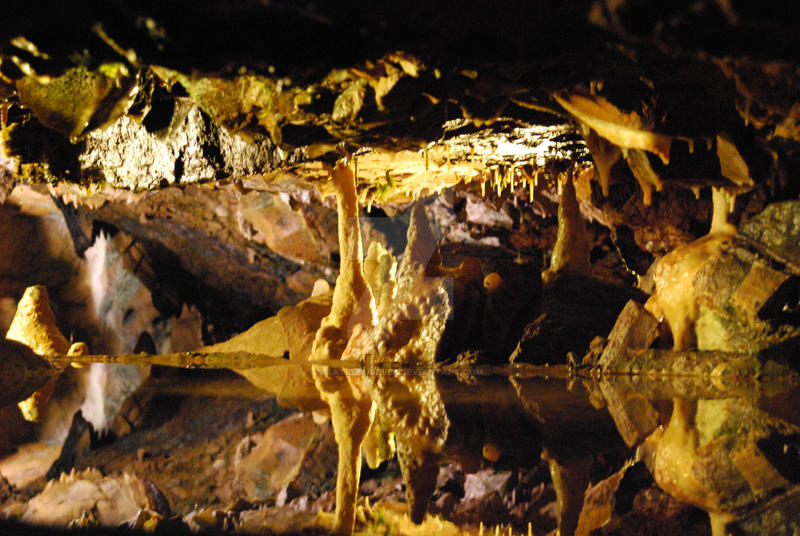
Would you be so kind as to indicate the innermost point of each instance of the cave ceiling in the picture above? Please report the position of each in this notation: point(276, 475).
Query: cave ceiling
point(206, 130)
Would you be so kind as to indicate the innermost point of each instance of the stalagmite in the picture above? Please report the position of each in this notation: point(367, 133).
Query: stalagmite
point(34, 325)
point(353, 305)
point(678, 455)
point(571, 251)
point(675, 298)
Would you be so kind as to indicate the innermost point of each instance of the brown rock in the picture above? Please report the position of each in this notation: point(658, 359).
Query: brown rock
point(758, 286)
point(270, 220)
point(291, 452)
point(111, 500)
point(634, 329)
point(6, 489)
point(632, 412)
point(301, 282)
point(13, 428)
point(655, 513)
point(479, 485)
point(608, 497)
point(275, 521)
point(779, 516)
point(22, 372)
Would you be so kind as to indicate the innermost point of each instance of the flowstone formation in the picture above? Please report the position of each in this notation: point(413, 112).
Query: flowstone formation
point(719, 296)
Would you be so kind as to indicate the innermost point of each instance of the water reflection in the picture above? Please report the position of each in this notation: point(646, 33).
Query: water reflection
point(726, 441)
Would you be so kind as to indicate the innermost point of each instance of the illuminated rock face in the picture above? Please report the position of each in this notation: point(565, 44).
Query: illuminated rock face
point(34, 325)
point(211, 150)
point(112, 501)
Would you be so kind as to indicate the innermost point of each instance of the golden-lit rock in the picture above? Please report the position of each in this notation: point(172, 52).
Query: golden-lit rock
point(675, 299)
point(719, 293)
point(106, 501)
point(605, 154)
point(600, 502)
point(732, 165)
point(643, 172)
point(288, 334)
point(352, 308)
point(34, 325)
point(626, 130)
point(239, 102)
point(300, 323)
point(571, 251)
point(79, 100)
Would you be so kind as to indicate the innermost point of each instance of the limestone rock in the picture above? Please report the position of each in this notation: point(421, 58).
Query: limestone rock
point(777, 230)
point(108, 501)
point(778, 516)
point(79, 100)
point(276, 520)
point(632, 412)
point(35, 324)
point(294, 453)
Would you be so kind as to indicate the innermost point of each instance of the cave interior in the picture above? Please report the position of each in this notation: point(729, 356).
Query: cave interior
point(275, 267)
